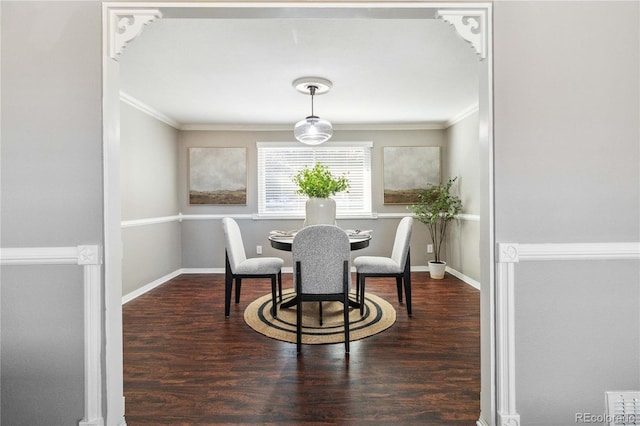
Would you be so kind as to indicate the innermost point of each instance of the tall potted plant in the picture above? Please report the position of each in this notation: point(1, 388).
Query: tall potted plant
point(318, 183)
point(437, 207)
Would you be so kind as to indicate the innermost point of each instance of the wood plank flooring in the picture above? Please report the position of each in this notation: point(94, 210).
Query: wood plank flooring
point(185, 364)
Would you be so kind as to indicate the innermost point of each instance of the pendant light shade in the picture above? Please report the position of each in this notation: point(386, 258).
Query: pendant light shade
point(313, 130)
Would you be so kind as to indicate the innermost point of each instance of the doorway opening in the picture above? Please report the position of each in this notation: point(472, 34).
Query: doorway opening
point(115, 38)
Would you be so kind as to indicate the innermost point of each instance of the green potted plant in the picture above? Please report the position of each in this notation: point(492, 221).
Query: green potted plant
point(318, 183)
point(437, 207)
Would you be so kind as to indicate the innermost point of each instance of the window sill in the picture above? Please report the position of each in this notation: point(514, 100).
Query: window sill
point(256, 216)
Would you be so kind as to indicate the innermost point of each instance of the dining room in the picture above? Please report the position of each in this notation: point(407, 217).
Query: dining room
point(159, 220)
point(171, 243)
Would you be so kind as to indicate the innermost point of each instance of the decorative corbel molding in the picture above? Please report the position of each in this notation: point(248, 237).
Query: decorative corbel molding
point(471, 24)
point(127, 24)
point(508, 256)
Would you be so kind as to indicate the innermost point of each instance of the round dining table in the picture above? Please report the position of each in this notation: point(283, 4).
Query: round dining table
point(285, 242)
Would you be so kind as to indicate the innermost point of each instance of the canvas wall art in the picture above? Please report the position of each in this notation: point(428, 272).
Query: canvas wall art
point(408, 170)
point(218, 176)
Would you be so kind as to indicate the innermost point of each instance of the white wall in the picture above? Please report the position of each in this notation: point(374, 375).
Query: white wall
point(567, 171)
point(51, 165)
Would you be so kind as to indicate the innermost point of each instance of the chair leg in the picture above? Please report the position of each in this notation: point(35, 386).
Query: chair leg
point(238, 285)
point(274, 310)
point(320, 310)
point(228, 282)
point(361, 297)
point(399, 286)
point(358, 287)
point(345, 307)
point(280, 284)
point(299, 326)
point(346, 324)
point(407, 282)
point(407, 289)
point(298, 287)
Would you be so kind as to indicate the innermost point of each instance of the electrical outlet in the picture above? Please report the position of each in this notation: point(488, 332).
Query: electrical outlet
point(259, 249)
point(429, 248)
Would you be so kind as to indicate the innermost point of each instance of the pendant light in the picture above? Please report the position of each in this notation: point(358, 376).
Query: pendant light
point(313, 130)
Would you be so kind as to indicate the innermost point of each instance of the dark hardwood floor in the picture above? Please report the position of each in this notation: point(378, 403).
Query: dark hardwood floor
point(185, 364)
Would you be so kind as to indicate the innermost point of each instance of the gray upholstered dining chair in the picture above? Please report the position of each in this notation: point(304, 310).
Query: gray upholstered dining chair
point(322, 257)
point(398, 265)
point(237, 266)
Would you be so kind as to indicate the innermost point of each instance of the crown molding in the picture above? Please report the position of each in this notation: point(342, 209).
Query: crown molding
point(149, 110)
point(470, 110)
point(288, 127)
point(213, 127)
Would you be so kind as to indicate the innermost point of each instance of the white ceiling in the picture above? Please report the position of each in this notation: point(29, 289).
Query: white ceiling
point(239, 72)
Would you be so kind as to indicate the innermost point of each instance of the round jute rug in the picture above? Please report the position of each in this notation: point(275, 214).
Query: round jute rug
point(378, 316)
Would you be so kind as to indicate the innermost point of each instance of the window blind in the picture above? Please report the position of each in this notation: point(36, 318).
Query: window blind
point(279, 162)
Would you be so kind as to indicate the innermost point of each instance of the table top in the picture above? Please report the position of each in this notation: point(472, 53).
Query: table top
point(284, 242)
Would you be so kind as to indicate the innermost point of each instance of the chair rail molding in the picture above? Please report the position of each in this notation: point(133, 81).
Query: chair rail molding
point(180, 217)
point(90, 258)
point(470, 24)
point(127, 24)
point(509, 254)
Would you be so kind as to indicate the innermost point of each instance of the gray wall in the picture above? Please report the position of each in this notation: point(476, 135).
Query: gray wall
point(462, 160)
point(566, 170)
point(154, 184)
point(51, 165)
point(149, 170)
point(565, 83)
point(202, 241)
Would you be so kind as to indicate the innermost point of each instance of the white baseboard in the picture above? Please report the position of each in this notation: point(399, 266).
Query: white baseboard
point(202, 271)
point(156, 283)
point(481, 422)
point(468, 280)
point(142, 290)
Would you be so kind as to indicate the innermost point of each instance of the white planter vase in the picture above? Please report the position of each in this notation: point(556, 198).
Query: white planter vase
point(436, 269)
point(320, 211)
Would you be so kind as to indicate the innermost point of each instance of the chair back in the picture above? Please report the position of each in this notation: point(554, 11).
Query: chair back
point(321, 251)
point(233, 243)
point(401, 243)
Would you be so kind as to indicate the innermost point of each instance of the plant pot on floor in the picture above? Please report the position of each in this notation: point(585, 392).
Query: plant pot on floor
point(436, 269)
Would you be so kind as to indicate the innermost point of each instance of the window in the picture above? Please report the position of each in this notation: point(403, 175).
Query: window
point(279, 162)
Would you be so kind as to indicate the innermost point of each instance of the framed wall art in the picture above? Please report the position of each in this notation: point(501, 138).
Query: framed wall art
point(218, 176)
point(407, 170)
